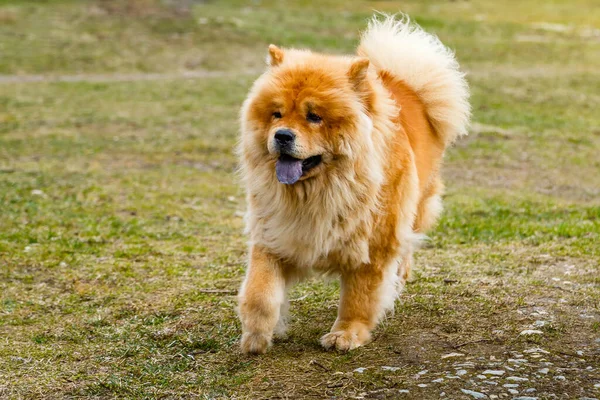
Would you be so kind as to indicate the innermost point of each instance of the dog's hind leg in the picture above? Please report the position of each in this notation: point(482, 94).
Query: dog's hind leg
point(430, 207)
point(281, 326)
point(404, 270)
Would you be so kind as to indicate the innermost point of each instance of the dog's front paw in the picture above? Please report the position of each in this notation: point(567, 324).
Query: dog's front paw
point(344, 340)
point(255, 343)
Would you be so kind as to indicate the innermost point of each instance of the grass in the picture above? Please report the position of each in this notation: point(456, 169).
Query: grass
point(121, 243)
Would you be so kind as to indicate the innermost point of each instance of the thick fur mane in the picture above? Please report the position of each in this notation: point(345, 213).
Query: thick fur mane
point(313, 218)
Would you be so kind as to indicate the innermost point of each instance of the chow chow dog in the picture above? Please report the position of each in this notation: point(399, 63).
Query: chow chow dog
point(341, 157)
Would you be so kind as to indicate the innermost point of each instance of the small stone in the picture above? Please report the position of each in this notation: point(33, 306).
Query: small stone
point(475, 395)
point(497, 372)
point(231, 198)
point(393, 369)
point(465, 365)
point(422, 385)
point(536, 350)
point(38, 192)
point(560, 378)
point(597, 385)
point(517, 379)
point(539, 323)
point(511, 385)
point(461, 372)
point(493, 396)
point(579, 352)
point(482, 376)
point(439, 380)
point(513, 391)
point(452, 355)
point(529, 332)
point(442, 394)
point(530, 390)
point(525, 398)
point(543, 371)
point(423, 372)
point(490, 383)
point(403, 391)
point(517, 360)
point(360, 370)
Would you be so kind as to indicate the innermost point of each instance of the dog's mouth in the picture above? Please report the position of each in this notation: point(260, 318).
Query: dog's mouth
point(289, 169)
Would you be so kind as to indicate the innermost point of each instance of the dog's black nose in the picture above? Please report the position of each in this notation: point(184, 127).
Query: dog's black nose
point(284, 137)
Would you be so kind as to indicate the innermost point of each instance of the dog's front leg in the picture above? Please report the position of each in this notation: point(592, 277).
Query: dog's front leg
point(365, 295)
point(260, 300)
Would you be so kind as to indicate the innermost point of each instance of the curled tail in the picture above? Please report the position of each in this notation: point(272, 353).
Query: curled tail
point(422, 62)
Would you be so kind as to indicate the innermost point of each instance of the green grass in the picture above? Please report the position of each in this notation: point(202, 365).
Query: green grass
point(121, 243)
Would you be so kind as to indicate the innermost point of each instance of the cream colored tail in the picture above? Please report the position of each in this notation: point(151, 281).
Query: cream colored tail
point(420, 60)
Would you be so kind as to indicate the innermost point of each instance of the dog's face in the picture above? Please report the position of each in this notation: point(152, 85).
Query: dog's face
point(303, 115)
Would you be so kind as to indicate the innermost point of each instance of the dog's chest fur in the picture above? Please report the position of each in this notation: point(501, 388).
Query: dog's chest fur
point(312, 225)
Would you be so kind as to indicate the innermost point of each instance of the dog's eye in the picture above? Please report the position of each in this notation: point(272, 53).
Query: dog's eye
point(312, 117)
point(277, 114)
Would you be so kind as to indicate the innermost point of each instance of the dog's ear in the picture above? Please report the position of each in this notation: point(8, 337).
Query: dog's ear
point(357, 73)
point(275, 56)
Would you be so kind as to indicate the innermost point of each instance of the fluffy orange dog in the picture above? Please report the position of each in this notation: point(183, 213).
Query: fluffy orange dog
point(341, 160)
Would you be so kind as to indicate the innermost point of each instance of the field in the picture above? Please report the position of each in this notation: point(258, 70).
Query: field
point(121, 231)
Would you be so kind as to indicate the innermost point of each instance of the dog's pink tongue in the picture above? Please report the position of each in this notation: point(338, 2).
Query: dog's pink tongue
point(288, 170)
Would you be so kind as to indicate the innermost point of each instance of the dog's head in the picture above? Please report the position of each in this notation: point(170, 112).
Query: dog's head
point(306, 113)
